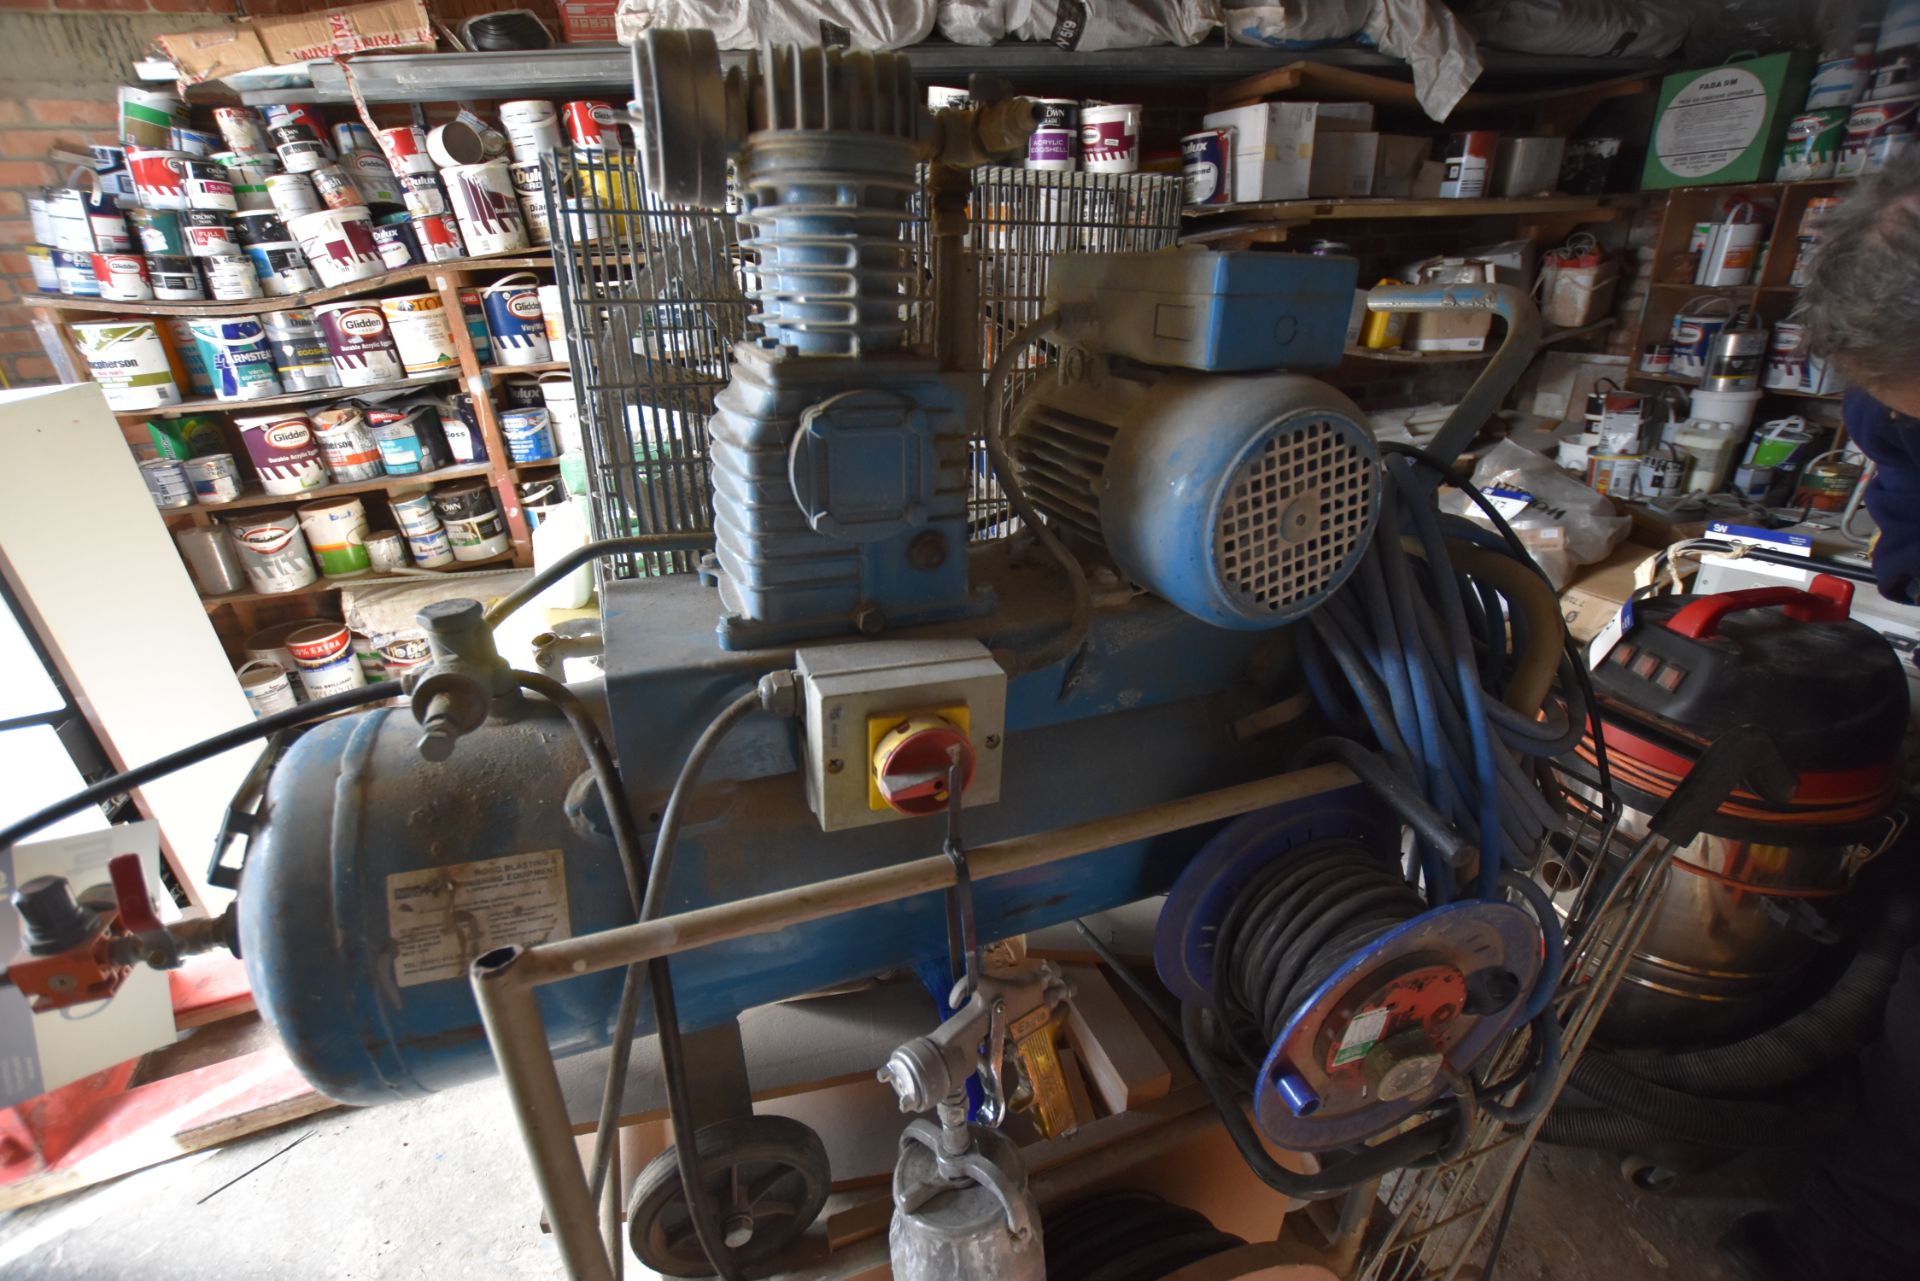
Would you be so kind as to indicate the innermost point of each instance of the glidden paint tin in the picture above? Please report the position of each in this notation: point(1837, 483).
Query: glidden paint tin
point(438, 236)
point(158, 232)
point(357, 339)
point(371, 176)
point(267, 687)
point(589, 125)
point(1876, 133)
point(208, 187)
point(530, 187)
point(283, 453)
point(514, 321)
point(413, 512)
point(1110, 137)
point(122, 277)
point(1786, 357)
point(129, 361)
point(209, 233)
point(488, 211)
point(239, 358)
point(215, 478)
point(299, 351)
point(231, 277)
point(323, 655)
point(175, 278)
point(337, 533)
point(471, 514)
point(532, 126)
point(1812, 148)
point(430, 550)
point(242, 129)
point(282, 269)
point(292, 194)
point(166, 483)
point(346, 446)
point(1205, 159)
point(421, 334)
point(338, 244)
point(529, 434)
point(394, 239)
point(74, 273)
point(159, 177)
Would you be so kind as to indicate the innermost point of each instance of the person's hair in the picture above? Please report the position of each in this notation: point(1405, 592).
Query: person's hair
point(1861, 304)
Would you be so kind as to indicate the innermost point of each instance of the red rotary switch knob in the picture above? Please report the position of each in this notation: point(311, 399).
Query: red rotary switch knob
point(910, 763)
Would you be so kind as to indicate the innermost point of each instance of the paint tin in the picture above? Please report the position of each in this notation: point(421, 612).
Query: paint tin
point(335, 189)
point(475, 314)
point(402, 652)
point(409, 440)
point(413, 512)
point(188, 436)
point(1469, 160)
point(387, 551)
point(300, 151)
point(358, 342)
point(1054, 150)
point(563, 411)
point(351, 135)
point(215, 479)
point(299, 351)
point(1733, 250)
point(533, 128)
point(1110, 137)
point(405, 148)
point(455, 143)
point(438, 236)
point(371, 176)
point(282, 269)
point(167, 483)
point(1206, 162)
point(283, 452)
point(260, 227)
point(529, 434)
point(46, 277)
point(540, 498)
point(431, 550)
point(1839, 80)
point(421, 334)
point(1812, 148)
point(1613, 473)
point(158, 231)
point(521, 393)
point(267, 686)
point(1876, 133)
point(175, 279)
point(324, 659)
point(463, 442)
point(67, 221)
point(1735, 358)
point(188, 359)
point(517, 328)
point(1818, 211)
point(195, 142)
point(209, 233)
point(129, 361)
point(1786, 357)
point(208, 187)
point(210, 558)
point(556, 321)
point(40, 218)
point(292, 194)
point(589, 125)
point(239, 359)
point(337, 533)
point(346, 446)
point(231, 277)
point(159, 177)
point(269, 644)
point(488, 211)
point(422, 194)
point(242, 130)
point(122, 277)
point(1657, 359)
point(394, 239)
point(1818, 376)
point(107, 226)
point(471, 513)
point(73, 272)
point(147, 115)
point(529, 186)
point(1694, 329)
point(338, 244)
point(1662, 473)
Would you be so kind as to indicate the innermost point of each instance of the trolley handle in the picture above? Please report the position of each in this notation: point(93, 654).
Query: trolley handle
point(1826, 600)
point(1745, 755)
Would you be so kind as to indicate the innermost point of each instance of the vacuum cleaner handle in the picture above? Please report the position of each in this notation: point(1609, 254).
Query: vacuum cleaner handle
point(1826, 600)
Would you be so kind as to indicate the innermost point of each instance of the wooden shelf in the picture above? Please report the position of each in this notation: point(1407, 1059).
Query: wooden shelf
point(254, 498)
point(186, 407)
point(1203, 222)
point(1805, 395)
point(1679, 381)
point(326, 586)
point(544, 367)
point(311, 298)
point(542, 464)
point(1400, 355)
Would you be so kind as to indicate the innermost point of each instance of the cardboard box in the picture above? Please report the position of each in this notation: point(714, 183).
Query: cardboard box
point(1725, 124)
point(1601, 589)
point(1396, 164)
point(1282, 150)
point(588, 21)
point(385, 26)
point(209, 55)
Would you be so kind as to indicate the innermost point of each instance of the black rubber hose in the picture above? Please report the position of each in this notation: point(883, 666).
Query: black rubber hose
point(1570, 1127)
point(639, 543)
point(1398, 792)
point(1720, 1123)
point(1836, 1027)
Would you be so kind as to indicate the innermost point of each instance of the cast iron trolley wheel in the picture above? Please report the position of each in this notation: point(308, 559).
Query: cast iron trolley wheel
point(766, 1177)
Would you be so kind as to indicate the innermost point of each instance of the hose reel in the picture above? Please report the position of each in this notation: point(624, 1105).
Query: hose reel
point(1351, 1004)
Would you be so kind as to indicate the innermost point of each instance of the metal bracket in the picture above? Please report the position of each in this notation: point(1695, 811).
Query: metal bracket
point(243, 812)
point(963, 938)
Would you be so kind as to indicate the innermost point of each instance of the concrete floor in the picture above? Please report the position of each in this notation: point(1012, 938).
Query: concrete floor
point(440, 1189)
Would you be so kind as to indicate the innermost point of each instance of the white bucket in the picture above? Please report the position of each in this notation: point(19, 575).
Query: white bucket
point(421, 334)
point(556, 321)
point(563, 411)
point(1732, 407)
point(533, 128)
point(1110, 138)
point(338, 244)
point(129, 361)
point(486, 208)
point(1710, 448)
point(337, 535)
point(267, 687)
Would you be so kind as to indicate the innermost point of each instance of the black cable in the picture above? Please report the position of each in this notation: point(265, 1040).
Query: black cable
point(506, 30)
point(1155, 1002)
point(1499, 1237)
point(205, 749)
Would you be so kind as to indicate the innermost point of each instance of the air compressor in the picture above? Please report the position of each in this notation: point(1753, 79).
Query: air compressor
point(856, 741)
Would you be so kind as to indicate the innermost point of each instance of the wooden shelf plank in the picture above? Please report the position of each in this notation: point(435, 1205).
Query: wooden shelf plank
point(1203, 220)
point(257, 498)
point(327, 586)
point(186, 407)
point(544, 367)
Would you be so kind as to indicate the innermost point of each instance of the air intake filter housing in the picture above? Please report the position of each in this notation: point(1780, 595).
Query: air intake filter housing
point(1244, 499)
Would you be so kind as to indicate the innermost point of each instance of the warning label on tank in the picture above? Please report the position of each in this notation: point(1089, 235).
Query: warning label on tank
point(441, 918)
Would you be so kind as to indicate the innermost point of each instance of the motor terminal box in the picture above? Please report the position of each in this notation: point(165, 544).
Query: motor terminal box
point(857, 697)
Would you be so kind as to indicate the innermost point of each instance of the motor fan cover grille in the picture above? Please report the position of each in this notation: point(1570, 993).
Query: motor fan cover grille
point(1295, 515)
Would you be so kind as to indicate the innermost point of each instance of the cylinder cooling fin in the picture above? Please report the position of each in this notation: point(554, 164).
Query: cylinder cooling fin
point(1244, 499)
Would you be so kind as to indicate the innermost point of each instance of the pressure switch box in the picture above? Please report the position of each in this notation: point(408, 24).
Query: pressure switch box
point(883, 721)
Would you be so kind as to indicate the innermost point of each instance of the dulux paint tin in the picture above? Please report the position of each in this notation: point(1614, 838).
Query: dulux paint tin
point(528, 433)
point(283, 452)
point(529, 185)
point(394, 239)
point(346, 445)
point(338, 244)
point(515, 322)
point(238, 356)
point(413, 512)
point(1206, 159)
point(431, 550)
point(337, 533)
point(421, 334)
point(359, 343)
point(74, 273)
point(128, 359)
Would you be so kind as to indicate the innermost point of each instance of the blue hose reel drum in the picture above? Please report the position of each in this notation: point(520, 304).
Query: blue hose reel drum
point(1321, 1086)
